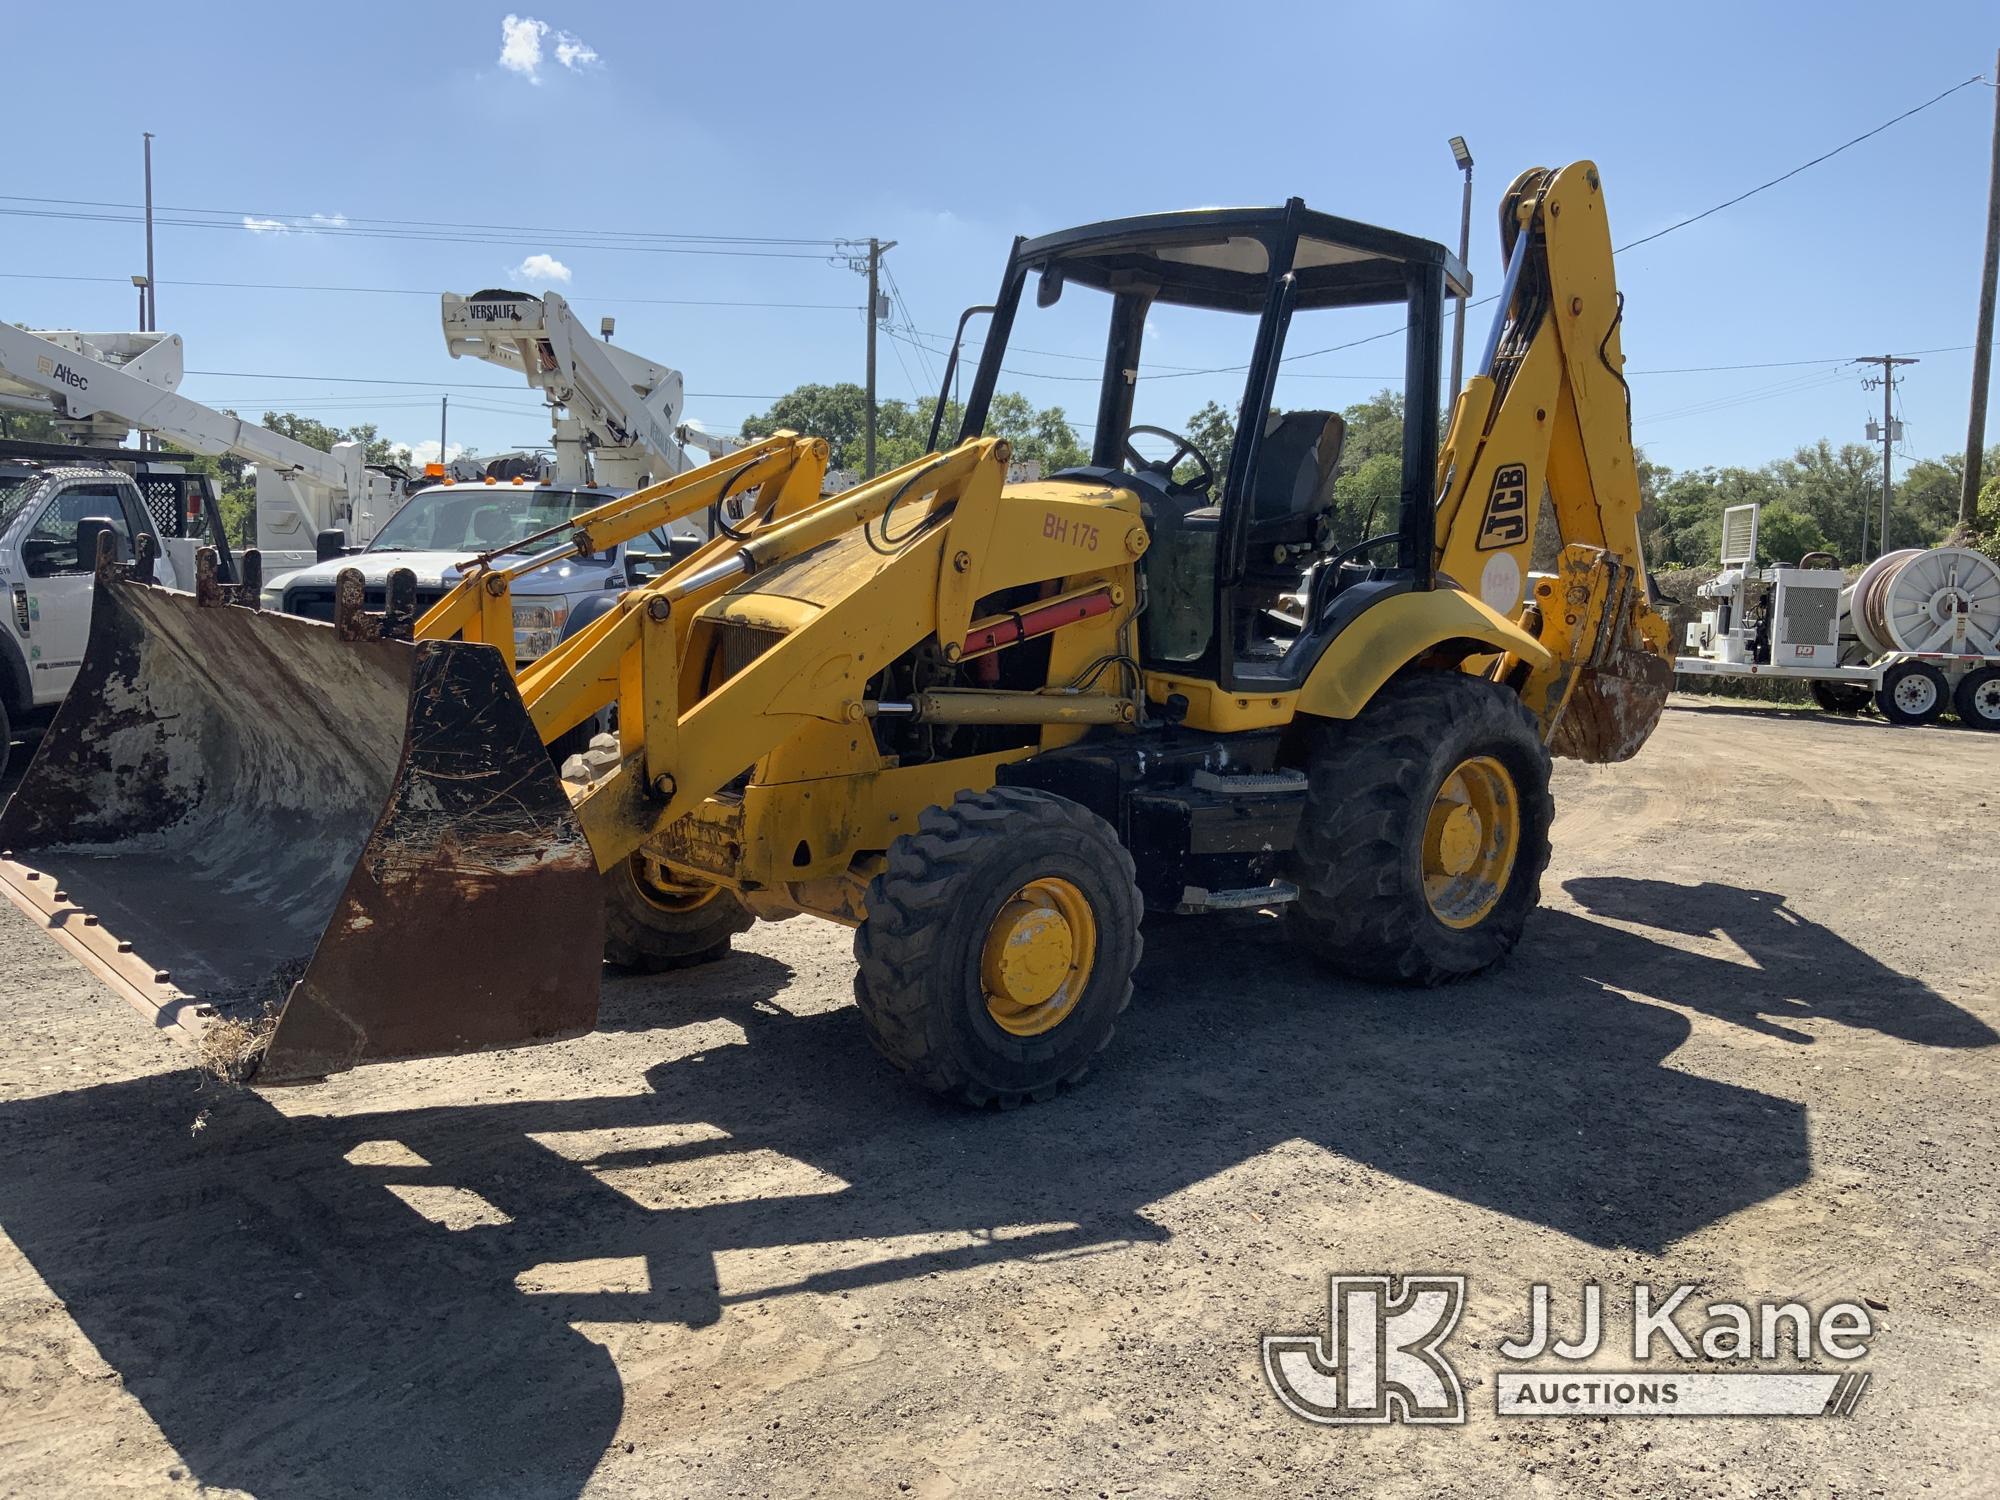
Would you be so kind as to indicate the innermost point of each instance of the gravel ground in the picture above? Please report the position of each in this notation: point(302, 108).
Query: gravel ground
point(720, 1249)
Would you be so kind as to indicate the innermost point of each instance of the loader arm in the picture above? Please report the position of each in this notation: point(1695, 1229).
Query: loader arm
point(1548, 412)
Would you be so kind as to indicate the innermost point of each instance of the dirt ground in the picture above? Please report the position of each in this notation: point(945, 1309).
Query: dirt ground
point(719, 1249)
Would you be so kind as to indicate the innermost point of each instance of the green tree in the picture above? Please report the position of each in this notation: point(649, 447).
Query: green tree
point(29, 427)
point(1213, 431)
point(839, 413)
point(1785, 534)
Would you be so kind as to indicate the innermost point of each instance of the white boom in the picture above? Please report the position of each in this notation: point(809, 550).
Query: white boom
point(99, 387)
point(614, 412)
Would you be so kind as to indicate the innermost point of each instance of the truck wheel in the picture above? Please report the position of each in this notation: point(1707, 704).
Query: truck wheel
point(653, 923)
point(1839, 697)
point(1912, 692)
point(6, 741)
point(1978, 698)
point(1425, 833)
point(999, 946)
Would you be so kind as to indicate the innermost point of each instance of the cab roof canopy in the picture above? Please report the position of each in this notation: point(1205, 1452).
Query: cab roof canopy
point(1223, 258)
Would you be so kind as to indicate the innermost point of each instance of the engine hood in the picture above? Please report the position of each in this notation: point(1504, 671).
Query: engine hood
point(441, 570)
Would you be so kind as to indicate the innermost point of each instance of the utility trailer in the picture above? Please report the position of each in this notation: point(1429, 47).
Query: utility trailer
point(1917, 634)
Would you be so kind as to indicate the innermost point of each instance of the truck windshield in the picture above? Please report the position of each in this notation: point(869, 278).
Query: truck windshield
point(478, 517)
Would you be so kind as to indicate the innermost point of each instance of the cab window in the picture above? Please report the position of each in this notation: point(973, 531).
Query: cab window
point(51, 548)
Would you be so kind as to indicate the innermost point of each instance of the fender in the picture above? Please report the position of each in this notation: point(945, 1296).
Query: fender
point(1397, 630)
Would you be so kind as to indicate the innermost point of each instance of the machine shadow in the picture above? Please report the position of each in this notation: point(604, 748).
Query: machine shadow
point(297, 1327)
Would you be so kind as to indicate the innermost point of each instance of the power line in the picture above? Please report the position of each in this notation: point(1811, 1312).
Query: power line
point(1804, 166)
point(413, 291)
point(441, 385)
point(316, 221)
point(567, 242)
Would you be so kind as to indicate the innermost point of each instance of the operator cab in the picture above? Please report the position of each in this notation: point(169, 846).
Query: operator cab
point(1254, 563)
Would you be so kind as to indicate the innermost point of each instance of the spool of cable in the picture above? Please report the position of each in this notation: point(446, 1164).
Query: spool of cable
point(1912, 601)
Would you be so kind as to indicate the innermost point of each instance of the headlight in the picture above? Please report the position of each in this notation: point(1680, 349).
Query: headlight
point(537, 628)
point(273, 597)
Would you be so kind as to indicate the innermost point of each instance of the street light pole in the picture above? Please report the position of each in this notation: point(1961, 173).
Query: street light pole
point(1463, 156)
point(151, 317)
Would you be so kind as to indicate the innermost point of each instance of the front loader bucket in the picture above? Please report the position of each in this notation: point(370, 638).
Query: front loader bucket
point(236, 811)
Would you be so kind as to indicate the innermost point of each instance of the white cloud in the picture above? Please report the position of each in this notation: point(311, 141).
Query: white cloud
point(312, 224)
point(539, 267)
point(574, 52)
point(521, 39)
point(426, 452)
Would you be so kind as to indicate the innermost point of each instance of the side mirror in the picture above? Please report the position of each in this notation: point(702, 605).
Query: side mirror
point(88, 530)
point(1049, 289)
point(329, 545)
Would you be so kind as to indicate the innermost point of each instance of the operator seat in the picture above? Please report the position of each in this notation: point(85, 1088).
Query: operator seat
point(1293, 492)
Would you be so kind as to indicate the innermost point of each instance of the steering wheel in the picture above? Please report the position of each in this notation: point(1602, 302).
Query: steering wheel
point(1183, 448)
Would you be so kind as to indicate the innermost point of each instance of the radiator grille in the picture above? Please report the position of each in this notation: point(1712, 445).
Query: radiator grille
point(1809, 615)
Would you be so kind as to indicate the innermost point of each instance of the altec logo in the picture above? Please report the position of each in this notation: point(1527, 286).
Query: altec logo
point(46, 366)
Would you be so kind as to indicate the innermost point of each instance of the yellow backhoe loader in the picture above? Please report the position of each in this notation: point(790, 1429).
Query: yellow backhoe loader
point(987, 725)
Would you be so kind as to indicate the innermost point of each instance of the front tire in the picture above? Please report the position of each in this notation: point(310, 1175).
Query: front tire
point(653, 923)
point(1912, 692)
point(1425, 834)
point(999, 946)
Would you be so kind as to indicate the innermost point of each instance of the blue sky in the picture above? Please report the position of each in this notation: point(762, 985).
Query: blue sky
point(949, 129)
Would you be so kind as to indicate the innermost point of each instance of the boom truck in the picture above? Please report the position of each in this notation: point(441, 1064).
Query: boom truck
point(985, 725)
point(613, 415)
point(101, 387)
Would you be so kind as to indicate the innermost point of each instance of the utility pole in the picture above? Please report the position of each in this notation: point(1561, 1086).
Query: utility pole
point(444, 423)
point(152, 298)
point(871, 267)
point(1891, 430)
point(1982, 343)
point(1461, 154)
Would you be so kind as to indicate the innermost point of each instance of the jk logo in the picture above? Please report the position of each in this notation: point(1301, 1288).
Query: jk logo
point(1381, 1362)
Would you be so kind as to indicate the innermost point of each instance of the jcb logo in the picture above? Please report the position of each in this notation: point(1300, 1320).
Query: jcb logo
point(1506, 509)
point(1381, 1361)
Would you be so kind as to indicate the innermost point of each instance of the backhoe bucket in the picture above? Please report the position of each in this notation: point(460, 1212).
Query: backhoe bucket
point(1614, 708)
point(237, 811)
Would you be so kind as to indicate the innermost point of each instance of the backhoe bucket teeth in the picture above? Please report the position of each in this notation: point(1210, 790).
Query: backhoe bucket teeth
point(236, 811)
point(1614, 707)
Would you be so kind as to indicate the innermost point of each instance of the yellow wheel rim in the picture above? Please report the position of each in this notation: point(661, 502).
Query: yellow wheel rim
point(662, 890)
point(1037, 957)
point(1470, 840)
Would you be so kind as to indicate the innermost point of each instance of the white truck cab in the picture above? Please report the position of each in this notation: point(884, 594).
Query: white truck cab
point(48, 564)
point(443, 525)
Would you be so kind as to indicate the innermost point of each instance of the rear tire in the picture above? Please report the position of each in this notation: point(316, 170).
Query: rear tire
point(653, 924)
point(1912, 692)
point(6, 741)
point(1839, 697)
point(1978, 698)
point(999, 946)
point(1425, 834)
